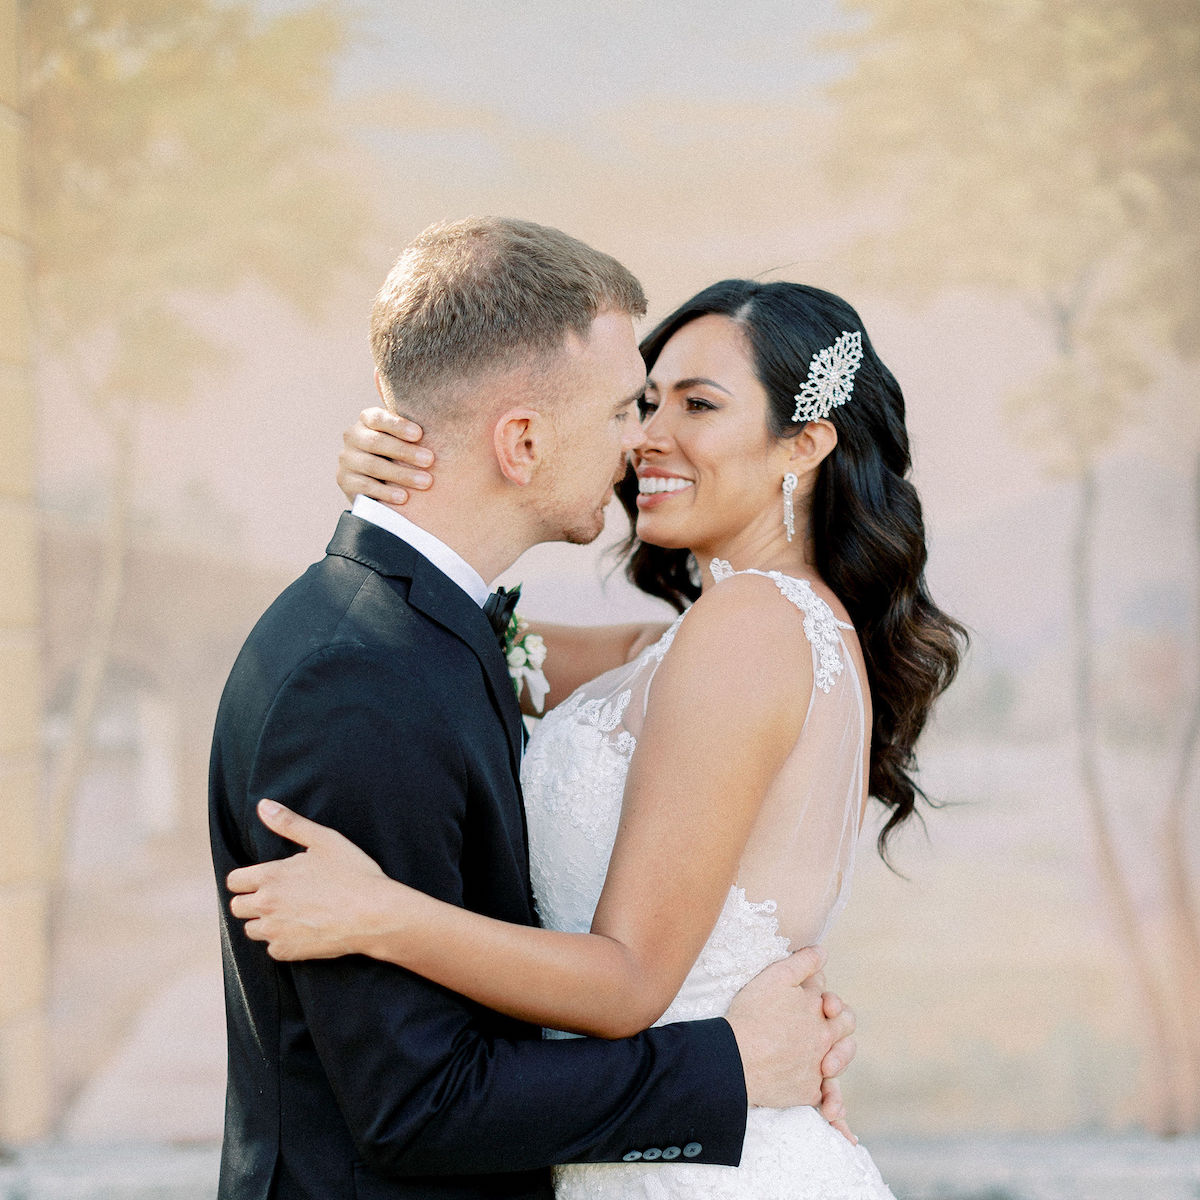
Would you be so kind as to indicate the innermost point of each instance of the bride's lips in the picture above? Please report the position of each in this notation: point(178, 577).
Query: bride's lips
point(656, 487)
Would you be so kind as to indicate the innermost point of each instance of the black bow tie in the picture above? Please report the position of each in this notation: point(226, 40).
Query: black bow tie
point(499, 608)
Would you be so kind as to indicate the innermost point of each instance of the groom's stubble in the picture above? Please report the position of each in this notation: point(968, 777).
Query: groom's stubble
point(595, 427)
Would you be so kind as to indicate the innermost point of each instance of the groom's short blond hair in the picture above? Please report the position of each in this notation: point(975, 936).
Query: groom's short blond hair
point(486, 294)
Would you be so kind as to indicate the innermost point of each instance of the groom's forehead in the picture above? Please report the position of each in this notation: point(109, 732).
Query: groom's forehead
point(603, 388)
point(610, 347)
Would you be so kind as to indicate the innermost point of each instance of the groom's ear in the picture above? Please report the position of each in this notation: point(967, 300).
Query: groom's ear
point(517, 441)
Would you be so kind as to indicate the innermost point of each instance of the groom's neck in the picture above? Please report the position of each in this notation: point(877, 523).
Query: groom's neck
point(477, 525)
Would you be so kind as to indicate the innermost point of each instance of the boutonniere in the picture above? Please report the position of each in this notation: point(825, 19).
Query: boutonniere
point(526, 652)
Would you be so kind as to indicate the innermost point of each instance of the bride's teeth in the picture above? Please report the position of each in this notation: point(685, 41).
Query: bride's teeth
point(653, 484)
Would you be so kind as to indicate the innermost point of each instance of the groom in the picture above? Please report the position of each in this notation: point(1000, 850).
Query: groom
point(373, 696)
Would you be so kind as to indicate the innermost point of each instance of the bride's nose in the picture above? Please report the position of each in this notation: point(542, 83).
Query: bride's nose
point(656, 433)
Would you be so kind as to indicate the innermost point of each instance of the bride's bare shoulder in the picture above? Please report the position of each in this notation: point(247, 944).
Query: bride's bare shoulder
point(743, 629)
point(748, 601)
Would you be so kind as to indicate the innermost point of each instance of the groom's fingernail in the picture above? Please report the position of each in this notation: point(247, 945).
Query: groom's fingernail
point(268, 808)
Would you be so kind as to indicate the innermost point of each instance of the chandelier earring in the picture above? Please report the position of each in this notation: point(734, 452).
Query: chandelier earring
point(789, 512)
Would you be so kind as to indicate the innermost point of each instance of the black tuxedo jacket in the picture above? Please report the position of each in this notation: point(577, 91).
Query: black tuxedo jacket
point(372, 696)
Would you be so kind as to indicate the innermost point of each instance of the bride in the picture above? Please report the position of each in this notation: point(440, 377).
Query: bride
point(693, 810)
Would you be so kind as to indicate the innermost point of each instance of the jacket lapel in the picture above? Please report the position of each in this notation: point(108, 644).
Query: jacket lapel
point(447, 604)
point(441, 600)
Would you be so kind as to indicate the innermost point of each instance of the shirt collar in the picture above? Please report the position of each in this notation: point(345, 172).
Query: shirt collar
point(449, 562)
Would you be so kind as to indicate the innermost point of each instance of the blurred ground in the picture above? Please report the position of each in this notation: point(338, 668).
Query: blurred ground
point(1025, 1168)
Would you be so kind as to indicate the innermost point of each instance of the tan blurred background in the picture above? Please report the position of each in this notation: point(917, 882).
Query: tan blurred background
point(197, 202)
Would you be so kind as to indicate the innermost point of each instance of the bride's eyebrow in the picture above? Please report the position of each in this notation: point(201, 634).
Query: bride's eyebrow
point(700, 381)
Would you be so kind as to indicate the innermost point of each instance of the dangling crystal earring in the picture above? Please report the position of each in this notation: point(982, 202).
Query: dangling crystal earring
point(789, 513)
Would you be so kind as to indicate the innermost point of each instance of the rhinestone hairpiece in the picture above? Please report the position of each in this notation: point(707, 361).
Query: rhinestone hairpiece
point(830, 379)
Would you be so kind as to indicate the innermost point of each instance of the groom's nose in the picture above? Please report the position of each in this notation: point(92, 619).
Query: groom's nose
point(633, 438)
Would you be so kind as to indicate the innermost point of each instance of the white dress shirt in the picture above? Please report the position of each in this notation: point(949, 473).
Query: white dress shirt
point(449, 562)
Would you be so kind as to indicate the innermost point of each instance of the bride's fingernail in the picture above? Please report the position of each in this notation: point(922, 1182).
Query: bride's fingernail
point(268, 808)
point(424, 458)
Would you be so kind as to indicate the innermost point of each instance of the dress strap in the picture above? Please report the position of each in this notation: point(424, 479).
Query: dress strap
point(820, 623)
point(659, 649)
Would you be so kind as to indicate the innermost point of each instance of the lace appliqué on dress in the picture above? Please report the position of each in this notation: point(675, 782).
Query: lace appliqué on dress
point(660, 648)
point(820, 624)
point(745, 939)
point(604, 715)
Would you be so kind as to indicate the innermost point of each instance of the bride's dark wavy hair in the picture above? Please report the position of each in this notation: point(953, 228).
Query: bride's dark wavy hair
point(866, 522)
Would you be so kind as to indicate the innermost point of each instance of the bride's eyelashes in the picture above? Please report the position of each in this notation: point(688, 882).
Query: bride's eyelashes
point(695, 404)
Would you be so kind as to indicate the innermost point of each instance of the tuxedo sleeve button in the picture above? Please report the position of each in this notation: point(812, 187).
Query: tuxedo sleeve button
point(632, 1156)
point(670, 1152)
point(653, 1153)
point(692, 1150)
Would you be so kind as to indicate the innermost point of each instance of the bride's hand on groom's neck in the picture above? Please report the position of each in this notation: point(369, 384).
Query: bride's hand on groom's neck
point(381, 458)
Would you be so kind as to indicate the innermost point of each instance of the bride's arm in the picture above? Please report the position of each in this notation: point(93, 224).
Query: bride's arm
point(723, 718)
point(381, 458)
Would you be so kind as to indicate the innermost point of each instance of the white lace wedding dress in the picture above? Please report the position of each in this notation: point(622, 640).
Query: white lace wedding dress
point(792, 882)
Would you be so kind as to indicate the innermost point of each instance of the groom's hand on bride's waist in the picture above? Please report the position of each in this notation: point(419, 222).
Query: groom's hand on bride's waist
point(791, 1032)
point(833, 1109)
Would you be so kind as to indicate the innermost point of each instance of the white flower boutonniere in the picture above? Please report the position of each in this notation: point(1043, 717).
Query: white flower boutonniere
point(526, 652)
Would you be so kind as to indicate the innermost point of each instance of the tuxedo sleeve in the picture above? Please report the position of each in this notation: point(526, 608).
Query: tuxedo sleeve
point(428, 1082)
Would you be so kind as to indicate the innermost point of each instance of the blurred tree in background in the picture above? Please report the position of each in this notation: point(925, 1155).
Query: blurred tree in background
point(180, 149)
point(1052, 151)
